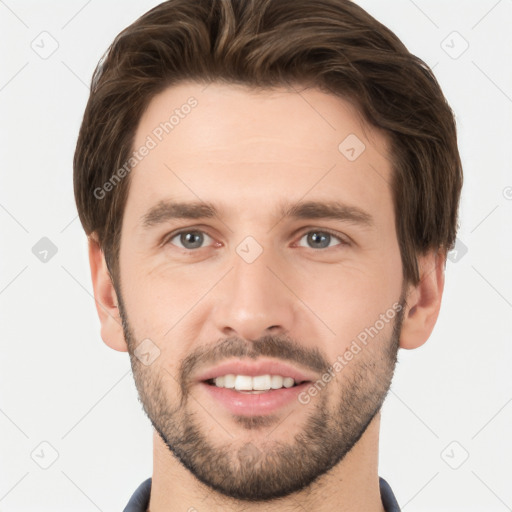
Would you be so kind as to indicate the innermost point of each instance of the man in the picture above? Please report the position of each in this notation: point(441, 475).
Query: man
point(269, 189)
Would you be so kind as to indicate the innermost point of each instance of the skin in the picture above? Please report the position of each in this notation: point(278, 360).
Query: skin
point(246, 152)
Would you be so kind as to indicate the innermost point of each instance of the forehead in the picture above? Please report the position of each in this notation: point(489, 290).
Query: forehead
point(232, 144)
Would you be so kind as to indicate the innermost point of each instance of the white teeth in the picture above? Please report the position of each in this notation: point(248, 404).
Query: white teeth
point(277, 382)
point(257, 383)
point(261, 382)
point(288, 382)
point(243, 383)
point(229, 381)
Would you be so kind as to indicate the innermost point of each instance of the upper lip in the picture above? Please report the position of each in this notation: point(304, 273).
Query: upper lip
point(251, 368)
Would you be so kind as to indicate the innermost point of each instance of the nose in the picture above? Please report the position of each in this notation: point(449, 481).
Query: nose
point(254, 301)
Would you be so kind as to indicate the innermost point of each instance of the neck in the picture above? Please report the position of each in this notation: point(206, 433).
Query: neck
point(352, 485)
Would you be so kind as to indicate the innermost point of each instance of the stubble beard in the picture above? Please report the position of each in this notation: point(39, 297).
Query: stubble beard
point(263, 469)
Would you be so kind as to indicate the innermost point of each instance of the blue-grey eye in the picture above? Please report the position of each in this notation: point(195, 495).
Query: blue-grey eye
point(190, 239)
point(320, 239)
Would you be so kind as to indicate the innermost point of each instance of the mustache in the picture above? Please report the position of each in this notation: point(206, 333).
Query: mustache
point(278, 347)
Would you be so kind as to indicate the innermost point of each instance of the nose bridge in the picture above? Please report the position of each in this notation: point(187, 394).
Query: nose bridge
point(254, 300)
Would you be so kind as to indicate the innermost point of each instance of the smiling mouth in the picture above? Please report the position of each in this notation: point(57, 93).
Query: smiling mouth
point(253, 384)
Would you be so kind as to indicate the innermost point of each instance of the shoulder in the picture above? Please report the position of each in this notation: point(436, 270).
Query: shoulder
point(387, 497)
point(140, 498)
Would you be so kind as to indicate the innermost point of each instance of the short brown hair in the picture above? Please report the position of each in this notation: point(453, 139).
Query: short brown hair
point(333, 45)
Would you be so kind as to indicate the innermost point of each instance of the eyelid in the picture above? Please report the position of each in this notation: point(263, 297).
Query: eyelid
point(169, 236)
point(344, 239)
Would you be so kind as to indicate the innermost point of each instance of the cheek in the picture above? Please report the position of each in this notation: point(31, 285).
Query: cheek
point(349, 296)
point(163, 303)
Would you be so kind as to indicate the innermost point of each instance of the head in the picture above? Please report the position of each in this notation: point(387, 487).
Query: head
point(265, 182)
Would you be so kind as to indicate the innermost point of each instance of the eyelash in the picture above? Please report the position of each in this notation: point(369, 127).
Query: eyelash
point(342, 240)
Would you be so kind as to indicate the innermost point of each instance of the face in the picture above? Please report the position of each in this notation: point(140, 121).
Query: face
point(260, 282)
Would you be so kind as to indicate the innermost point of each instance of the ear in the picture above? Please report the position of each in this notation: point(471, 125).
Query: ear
point(423, 301)
point(105, 298)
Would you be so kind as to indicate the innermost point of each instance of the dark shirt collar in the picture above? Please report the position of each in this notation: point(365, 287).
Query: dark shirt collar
point(140, 499)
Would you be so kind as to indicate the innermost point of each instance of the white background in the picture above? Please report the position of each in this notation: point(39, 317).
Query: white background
point(60, 384)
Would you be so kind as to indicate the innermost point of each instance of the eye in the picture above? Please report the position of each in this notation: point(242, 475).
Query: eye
point(192, 239)
point(321, 239)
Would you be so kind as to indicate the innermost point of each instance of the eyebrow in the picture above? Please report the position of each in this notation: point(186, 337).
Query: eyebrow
point(165, 211)
point(169, 210)
point(327, 210)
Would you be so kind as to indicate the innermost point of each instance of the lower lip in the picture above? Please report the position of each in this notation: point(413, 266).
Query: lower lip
point(254, 404)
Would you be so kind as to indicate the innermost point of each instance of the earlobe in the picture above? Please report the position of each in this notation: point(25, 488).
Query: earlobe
point(423, 301)
point(105, 298)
